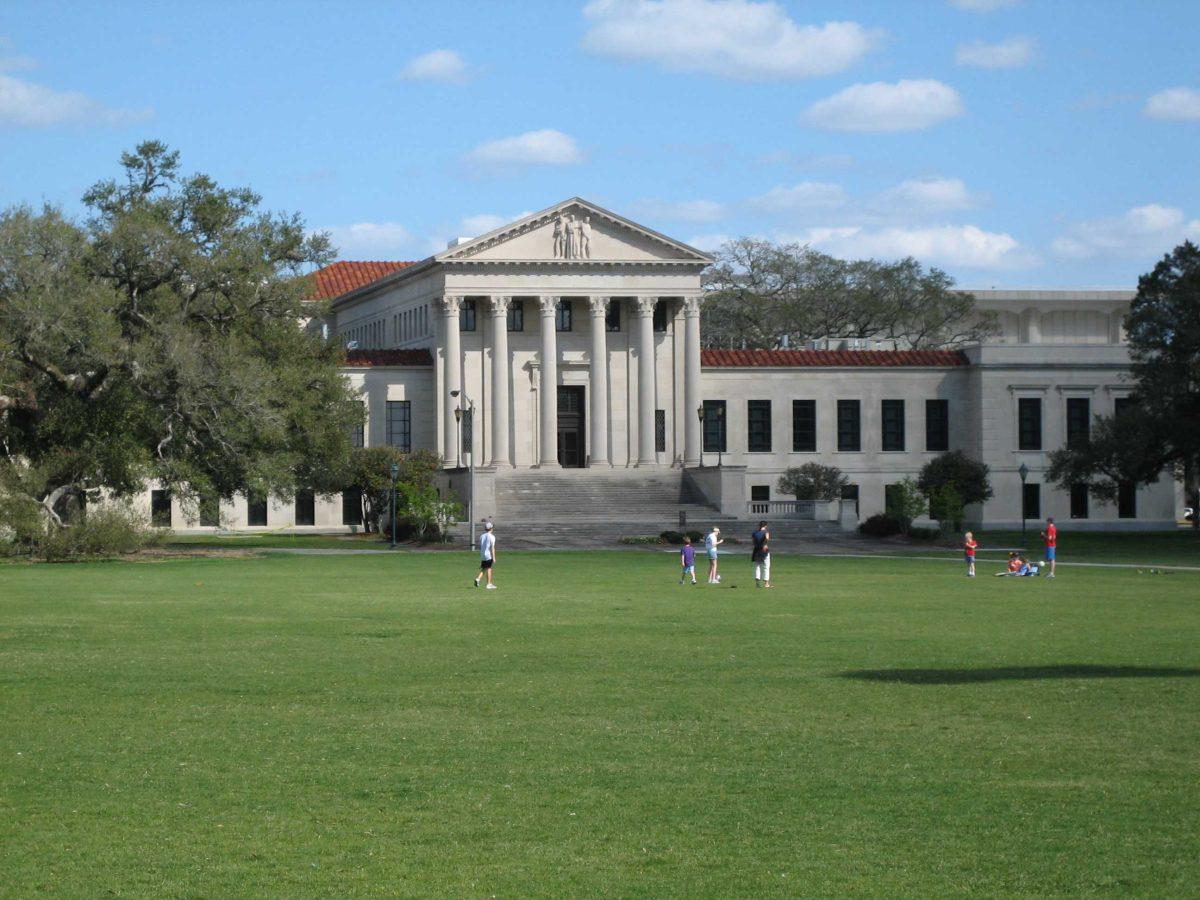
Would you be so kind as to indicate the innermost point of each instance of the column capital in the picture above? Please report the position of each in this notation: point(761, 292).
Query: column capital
point(691, 307)
point(450, 304)
point(548, 305)
point(645, 305)
point(499, 304)
point(598, 305)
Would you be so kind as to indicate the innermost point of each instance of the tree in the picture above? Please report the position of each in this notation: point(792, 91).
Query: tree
point(1120, 449)
point(905, 503)
point(813, 481)
point(955, 469)
point(765, 295)
point(160, 339)
point(418, 507)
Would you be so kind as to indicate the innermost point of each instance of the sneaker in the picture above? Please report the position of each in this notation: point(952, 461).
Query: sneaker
point(491, 587)
point(476, 582)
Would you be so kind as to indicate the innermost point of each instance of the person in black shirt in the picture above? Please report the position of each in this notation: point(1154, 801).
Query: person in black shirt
point(761, 556)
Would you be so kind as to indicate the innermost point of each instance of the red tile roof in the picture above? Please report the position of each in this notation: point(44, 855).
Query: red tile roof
point(343, 277)
point(792, 358)
point(364, 359)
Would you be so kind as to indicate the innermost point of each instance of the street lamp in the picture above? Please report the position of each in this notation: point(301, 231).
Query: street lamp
point(1023, 471)
point(458, 416)
point(395, 475)
point(700, 416)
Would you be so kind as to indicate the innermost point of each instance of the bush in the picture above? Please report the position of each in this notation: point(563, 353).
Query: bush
point(696, 536)
point(813, 481)
point(881, 526)
point(108, 530)
point(671, 537)
point(642, 539)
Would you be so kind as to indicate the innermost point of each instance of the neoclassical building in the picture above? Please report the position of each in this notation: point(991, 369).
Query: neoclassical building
point(561, 356)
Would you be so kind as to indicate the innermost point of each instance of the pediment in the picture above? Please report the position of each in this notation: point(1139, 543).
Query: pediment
point(574, 232)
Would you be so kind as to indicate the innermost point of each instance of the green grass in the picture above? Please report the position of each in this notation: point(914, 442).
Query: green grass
point(1161, 548)
point(356, 725)
point(268, 541)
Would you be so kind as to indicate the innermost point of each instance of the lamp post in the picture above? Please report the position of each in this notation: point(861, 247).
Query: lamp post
point(1023, 471)
point(395, 475)
point(700, 416)
point(458, 415)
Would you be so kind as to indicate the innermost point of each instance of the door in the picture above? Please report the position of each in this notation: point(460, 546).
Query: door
point(570, 427)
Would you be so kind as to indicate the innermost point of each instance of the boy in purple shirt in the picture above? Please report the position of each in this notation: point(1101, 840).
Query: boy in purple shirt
point(687, 558)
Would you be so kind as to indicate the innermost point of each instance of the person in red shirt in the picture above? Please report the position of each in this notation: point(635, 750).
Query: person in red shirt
point(1050, 536)
point(969, 547)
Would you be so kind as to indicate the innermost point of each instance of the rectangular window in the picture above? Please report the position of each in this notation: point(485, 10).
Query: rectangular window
point(352, 506)
point(1079, 501)
point(399, 424)
point(160, 509)
point(1127, 500)
point(516, 314)
point(660, 316)
point(612, 316)
point(358, 430)
point(562, 317)
point(714, 426)
point(1029, 424)
point(466, 316)
point(1031, 501)
point(850, 495)
point(1122, 405)
point(306, 508)
point(804, 426)
point(758, 426)
point(256, 509)
point(937, 425)
point(893, 425)
point(760, 493)
point(660, 431)
point(891, 498)
point(1079, 414)
point(849, 420)
point(468, 430)
point(210, 511)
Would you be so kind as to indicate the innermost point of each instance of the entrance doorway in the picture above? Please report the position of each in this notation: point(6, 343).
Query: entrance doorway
point(570, 427)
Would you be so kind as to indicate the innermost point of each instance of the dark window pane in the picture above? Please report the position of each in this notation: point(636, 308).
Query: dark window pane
point(358, 430)
point(804, 426)
point(352, 506)
point(306, 508)
point(466, 316)
point(1079, 501)
point(516, 314)
point(714, 426)
point(160, 509)
point(468, 430)
point(256, 509)
point(848, 424)
point(210, 511)
point(1029, 423)
point(562, 318)
point(758, 426)
point(893, 425)
point(660, 431)
point(1031, 501)
point(1079, 413)
point(612, 316)
point(760, 492)
point(1122, 405)
point(850, 494)
point(399, 424)
point(1127, 500)
point(660, 316)
point(937, 425)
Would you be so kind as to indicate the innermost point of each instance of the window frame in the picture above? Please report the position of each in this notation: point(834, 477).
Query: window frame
point(160, 508)
point(758, 433)
point(660, 431)
point(658, 320)
point(392, 429)
point(1126, 500)
point(849, 415)
point(716, 427)
point(612, 317)
point(937, 425)
point(514, 319)
point(1029, 433)
point(1031, 500)
point(1079, 501)
point(467, 315)
point(306, 504)
point(804, 426)
point(564, 316)
point(254, 504)
point(1078, 424)
point(891, 426)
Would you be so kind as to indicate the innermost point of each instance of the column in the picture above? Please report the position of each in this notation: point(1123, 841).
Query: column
point(500, 381)
point(548, 449)
point(645, 345)
point(453, 378)
point(599, 381)
point(691, 381)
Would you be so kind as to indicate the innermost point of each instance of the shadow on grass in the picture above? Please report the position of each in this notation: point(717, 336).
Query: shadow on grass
point(1016, 673)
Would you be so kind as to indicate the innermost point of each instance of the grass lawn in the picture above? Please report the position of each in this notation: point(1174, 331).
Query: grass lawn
point(1180, 547)
point(354, 725)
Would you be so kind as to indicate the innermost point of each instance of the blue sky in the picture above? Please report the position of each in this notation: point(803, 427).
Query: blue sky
point(1027, 143)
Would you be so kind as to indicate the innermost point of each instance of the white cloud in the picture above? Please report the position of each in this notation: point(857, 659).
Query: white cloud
point(372, 240)
point(983, 5)
point(436, 65)
point(681, 210)
point(29, 105)
point(742, 39)
point(806, 196)
point(709, 242)
point(481, 224)
point(12, 62)
point(966, 246)
point(1011, 53)
point(546, 147)
point(1141, 231)
point(1178, 104)
point(928, 195)
point(880, 107)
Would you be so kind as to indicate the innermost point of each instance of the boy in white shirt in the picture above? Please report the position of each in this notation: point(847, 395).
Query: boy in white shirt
point(487, 555)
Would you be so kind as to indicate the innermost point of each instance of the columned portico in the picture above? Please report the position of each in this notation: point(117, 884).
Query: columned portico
point(500, 382)
point(645, 346)
point(450, 306)
point(548, 446)
point(691, 381)
point(598, 373)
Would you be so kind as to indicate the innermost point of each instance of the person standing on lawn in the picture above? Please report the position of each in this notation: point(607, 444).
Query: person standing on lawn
point(761, 556)
point(970, 545)
point(1050, 535)
point(487, 556)
point(687, 561)
point(711, 541)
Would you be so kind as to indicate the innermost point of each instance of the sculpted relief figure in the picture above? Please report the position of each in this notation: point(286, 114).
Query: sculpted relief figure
point(585, 238)
point(572, 237)
point(560, 244)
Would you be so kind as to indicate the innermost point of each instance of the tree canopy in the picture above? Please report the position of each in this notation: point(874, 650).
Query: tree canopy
point(765, 295)
point(161, 338)
point(813, 481)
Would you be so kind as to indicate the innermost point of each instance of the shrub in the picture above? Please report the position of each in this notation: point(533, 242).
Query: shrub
point(108, 530)
point(642, 539)
point(813, 481)
point(671, 537)
point(696, 536)
point(880, 526)
point(905, 503)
